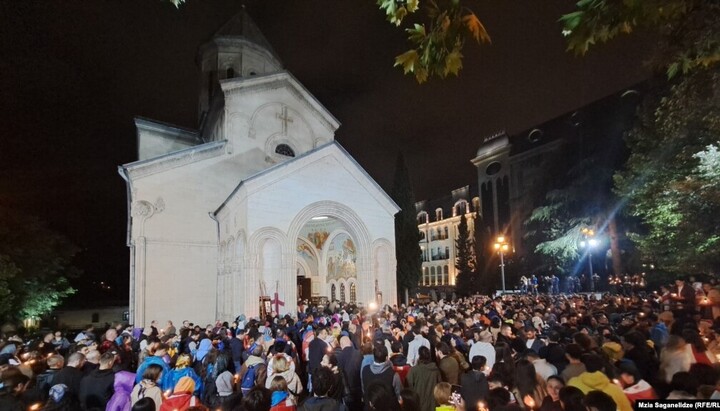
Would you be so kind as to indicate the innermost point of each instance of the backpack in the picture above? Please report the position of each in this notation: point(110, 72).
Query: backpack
point(248, 381)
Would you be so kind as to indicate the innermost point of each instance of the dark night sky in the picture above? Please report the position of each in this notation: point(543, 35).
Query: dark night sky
point(73, 74)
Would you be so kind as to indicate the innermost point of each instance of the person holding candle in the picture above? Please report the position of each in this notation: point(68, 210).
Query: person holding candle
point(529, 388)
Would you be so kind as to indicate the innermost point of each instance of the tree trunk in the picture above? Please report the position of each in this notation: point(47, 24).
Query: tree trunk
point(615, 247)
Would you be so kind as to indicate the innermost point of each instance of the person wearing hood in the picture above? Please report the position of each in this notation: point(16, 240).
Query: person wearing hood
point(474, 383)
point(123, 386)
point(380, 370)
point(594, 379)
point(281, 367)
point(182, 369)
point(156, 358)
point(182, 397)
point(634, 387)
point(203, 350)
point(322, 383)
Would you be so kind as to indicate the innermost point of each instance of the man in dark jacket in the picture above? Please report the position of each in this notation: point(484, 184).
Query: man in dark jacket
point(381, 371)
point(46, 380)
point(71, 374)
point(316, 350)
point(236, 349)
point(96, 388)
point(474, 384)
point(323, 379)
point(349, 360)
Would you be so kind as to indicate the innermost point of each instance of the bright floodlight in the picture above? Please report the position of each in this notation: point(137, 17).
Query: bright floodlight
point(582, 244)
point(501, 239)
point(372, 306)
point(592, 242)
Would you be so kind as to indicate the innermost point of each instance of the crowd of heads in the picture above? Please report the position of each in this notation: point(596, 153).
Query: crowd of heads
point(548, 352)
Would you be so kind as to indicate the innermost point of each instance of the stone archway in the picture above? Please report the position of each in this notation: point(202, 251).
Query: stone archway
point(353, 225)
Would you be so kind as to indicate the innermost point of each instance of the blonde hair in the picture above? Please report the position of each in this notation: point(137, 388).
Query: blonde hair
point(442, 393)
point(280, 363)
point(183, 361)
point(278, 383)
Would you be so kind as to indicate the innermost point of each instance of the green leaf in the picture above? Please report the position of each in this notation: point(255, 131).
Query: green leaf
point(453, 62)
point(407, 60)
point(412, 5)
point(416, 34)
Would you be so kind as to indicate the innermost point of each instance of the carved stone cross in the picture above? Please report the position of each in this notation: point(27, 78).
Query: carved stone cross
point(283, 116)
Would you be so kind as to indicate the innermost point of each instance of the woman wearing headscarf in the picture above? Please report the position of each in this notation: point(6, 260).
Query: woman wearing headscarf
point(182, 397)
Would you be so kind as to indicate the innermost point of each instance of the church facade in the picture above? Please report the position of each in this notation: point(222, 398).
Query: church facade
point(259, 206)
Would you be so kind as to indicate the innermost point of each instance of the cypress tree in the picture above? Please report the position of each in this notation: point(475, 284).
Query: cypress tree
point(466, 282)
point(481, 254)
point(407, 236)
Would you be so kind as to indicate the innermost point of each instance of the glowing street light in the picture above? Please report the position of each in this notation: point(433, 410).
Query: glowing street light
point(502, 247)
point(590, 242)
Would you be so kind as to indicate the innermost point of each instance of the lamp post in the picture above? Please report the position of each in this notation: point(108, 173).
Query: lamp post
point(502, 247)
point(590, 242)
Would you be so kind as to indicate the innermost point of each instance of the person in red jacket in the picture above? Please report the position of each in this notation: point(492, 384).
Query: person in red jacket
point(280, 399)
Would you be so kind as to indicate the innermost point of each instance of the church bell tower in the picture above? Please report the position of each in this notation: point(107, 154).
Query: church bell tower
point(238, 49)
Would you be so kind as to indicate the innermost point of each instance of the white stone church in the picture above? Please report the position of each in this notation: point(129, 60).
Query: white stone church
point(259, 201)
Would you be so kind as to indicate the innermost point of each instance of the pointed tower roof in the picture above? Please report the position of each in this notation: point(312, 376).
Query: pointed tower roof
point(242, 26)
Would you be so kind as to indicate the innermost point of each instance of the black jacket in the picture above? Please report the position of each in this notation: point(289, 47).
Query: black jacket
point(96, 389)
point(474, 387)
point(321, 404)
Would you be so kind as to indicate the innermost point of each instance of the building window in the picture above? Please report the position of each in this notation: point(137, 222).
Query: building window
point(95, 318)
point(438, 214)
point(422, 235)
point(460, 208)
point(493, 168)
point(230, 72)
point(422, 218)
point(432, 276)
point(285, 150)
point(445, 237)
point(446, 275)
point(342, 293)
point(332, 292)
point(447, 253)
point(353, 293)
point(426, 276)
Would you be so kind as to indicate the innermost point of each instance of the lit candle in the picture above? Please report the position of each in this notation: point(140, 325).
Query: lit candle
point(36, 406)
point(616, 381)
point(529, 402)
point(236, 378)
point(481, 406)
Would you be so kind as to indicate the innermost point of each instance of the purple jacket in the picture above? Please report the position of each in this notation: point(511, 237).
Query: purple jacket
point(120, 401)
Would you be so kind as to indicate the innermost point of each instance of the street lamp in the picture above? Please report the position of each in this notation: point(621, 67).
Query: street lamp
point(590, 242)
point(502, 247)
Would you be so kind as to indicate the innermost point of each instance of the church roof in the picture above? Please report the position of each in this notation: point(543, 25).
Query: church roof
point(389, 203)
point(242, 26)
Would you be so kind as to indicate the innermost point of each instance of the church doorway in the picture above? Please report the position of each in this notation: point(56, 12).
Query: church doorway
point(327, 261)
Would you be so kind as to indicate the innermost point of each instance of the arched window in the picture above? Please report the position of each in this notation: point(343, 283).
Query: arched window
point(432, 276)
point(447, 253)
point(446, 234)
point(342, 293)
point(285, 150)
point(438, 214)
point(422, 217)
point(332, 292)
point(460, 207)
point(426, 276)
point(230, 72)
point(446, 275)
point(353, 293)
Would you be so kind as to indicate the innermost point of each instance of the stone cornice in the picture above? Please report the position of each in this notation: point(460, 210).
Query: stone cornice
point(140, 169)
point(253, 85)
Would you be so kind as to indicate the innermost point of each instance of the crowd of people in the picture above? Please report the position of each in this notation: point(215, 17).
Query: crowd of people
point(545, 352)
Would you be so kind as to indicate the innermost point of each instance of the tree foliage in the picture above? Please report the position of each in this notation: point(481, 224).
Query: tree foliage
point(688, 30)
point(467, 282)
point(407, 235)
point(671, 180)
point(35, 264)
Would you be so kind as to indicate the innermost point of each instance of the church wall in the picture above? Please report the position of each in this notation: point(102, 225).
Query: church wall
point(180, 282)
point(153, 144)
point(264, 119)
